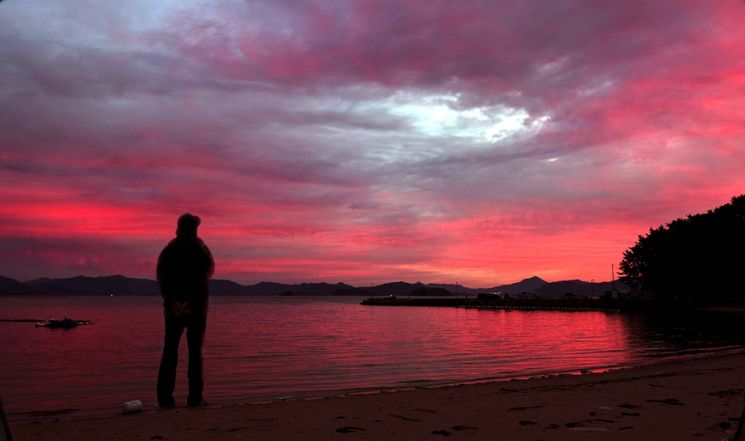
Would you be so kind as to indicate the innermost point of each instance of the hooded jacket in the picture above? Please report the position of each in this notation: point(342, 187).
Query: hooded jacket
point(184, 268)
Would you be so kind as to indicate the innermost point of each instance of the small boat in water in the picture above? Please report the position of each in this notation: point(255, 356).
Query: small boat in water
point(65, 323)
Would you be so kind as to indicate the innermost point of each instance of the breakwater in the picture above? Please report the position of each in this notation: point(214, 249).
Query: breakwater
point(560, 304)
point(419, 301)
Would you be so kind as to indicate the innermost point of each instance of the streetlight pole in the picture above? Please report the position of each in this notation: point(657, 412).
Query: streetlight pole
point(592, 288)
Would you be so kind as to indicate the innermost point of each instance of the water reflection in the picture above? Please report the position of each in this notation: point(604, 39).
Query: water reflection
point(659, 335)
point(266, 348)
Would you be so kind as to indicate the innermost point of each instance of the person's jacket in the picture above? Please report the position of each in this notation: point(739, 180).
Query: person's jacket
point(184, 268)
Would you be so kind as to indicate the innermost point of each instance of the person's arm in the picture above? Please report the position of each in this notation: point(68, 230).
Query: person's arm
point(159, 269)
point(161, 273)
point(210, 262)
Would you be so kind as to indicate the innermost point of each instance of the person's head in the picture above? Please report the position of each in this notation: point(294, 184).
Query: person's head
point(187, 225)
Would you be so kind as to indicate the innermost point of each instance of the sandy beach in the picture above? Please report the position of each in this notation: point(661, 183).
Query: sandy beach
point(699, 399)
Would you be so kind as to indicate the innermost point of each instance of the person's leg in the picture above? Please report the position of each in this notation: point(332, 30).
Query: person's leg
point(174, 327)
point(195, 337)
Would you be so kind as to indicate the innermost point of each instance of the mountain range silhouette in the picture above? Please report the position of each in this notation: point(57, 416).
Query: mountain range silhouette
point(122, 285)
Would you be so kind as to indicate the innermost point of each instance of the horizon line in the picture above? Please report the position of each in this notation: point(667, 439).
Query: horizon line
point(318, 282)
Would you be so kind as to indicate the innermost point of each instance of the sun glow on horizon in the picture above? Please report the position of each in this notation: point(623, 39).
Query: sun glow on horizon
point(472, 146)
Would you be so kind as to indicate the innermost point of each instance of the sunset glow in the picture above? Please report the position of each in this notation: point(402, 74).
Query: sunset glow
point(363, 141)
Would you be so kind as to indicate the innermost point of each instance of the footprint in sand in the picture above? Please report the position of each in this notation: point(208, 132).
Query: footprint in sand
point(628, 406)
point(521, 408)
point(349, 429)
point(600, 420)
point(670, 401)
point(236, 429)
point(720, 426)
point(459, 428)
point(404, 417)
point(727, 393)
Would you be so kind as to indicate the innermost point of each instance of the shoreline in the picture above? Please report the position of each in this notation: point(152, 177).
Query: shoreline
point(51, 415)
point(696, 397)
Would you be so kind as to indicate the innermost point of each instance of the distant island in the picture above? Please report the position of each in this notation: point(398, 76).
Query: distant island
point(121, 285)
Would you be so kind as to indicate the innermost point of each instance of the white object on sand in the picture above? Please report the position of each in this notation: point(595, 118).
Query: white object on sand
point(133, 406)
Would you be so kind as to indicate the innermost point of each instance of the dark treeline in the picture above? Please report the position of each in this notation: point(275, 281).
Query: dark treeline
point(701, 257)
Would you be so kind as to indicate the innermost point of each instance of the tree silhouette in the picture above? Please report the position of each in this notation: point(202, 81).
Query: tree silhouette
point(701, 256)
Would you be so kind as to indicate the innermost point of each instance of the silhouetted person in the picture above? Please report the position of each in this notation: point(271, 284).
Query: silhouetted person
point(184, 268)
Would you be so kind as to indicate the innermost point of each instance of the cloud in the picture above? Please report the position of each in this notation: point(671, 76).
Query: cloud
point(369, 140)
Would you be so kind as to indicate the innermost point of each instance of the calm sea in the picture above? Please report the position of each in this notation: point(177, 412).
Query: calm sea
point(269, 348)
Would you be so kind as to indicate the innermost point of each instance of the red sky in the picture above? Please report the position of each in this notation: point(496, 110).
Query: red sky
point(363, 141)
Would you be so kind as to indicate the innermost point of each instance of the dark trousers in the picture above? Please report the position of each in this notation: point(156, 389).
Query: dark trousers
point(195, 324)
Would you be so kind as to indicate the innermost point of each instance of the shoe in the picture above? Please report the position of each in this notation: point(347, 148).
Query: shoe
point(199, 403)
point(167, 404)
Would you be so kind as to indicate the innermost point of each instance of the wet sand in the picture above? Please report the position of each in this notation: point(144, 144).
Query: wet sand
point(699, 399)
